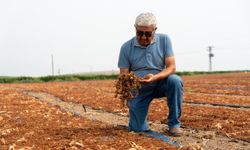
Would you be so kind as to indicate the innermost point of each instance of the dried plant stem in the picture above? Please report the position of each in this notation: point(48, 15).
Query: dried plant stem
point(127, 87)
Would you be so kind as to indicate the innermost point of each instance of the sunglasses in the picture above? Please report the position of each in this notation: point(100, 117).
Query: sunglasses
point(141, 33)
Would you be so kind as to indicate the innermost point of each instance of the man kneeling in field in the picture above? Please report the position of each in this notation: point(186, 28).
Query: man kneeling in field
point(149, 55)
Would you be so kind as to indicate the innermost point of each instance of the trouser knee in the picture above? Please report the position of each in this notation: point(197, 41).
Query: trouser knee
point(174, 81)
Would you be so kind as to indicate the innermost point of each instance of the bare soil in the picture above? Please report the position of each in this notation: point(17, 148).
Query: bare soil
point(220, 127)
point(27, 123)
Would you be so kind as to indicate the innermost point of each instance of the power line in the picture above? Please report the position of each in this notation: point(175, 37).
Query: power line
point(219, 49)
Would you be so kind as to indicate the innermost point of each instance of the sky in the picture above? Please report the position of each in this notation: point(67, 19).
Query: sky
point(86, 36)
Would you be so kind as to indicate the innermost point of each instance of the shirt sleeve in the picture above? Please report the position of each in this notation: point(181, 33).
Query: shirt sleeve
point(168, 51)
point(123, 61)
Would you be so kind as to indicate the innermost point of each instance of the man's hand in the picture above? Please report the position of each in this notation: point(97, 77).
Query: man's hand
point(149, 78)
point(170, 69)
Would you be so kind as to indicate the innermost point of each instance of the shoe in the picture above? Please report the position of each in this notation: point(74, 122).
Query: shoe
point(175, 131)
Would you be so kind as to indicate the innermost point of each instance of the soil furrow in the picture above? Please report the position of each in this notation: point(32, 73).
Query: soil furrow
point(204, 139)
point(217, 104)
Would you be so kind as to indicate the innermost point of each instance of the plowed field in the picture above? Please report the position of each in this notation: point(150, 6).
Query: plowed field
point(216, 102)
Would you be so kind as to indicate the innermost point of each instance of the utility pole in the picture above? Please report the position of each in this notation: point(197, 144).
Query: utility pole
point(59, 71)
point(210, 55)
point(52, 63)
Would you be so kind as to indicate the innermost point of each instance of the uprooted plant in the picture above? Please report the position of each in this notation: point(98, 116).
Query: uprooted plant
point(127, 87)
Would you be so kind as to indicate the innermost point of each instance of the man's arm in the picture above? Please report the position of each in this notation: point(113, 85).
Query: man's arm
point(124, 71)
point(170, 69)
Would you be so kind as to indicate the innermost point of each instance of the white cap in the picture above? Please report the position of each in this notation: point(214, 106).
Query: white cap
point(145, 19)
